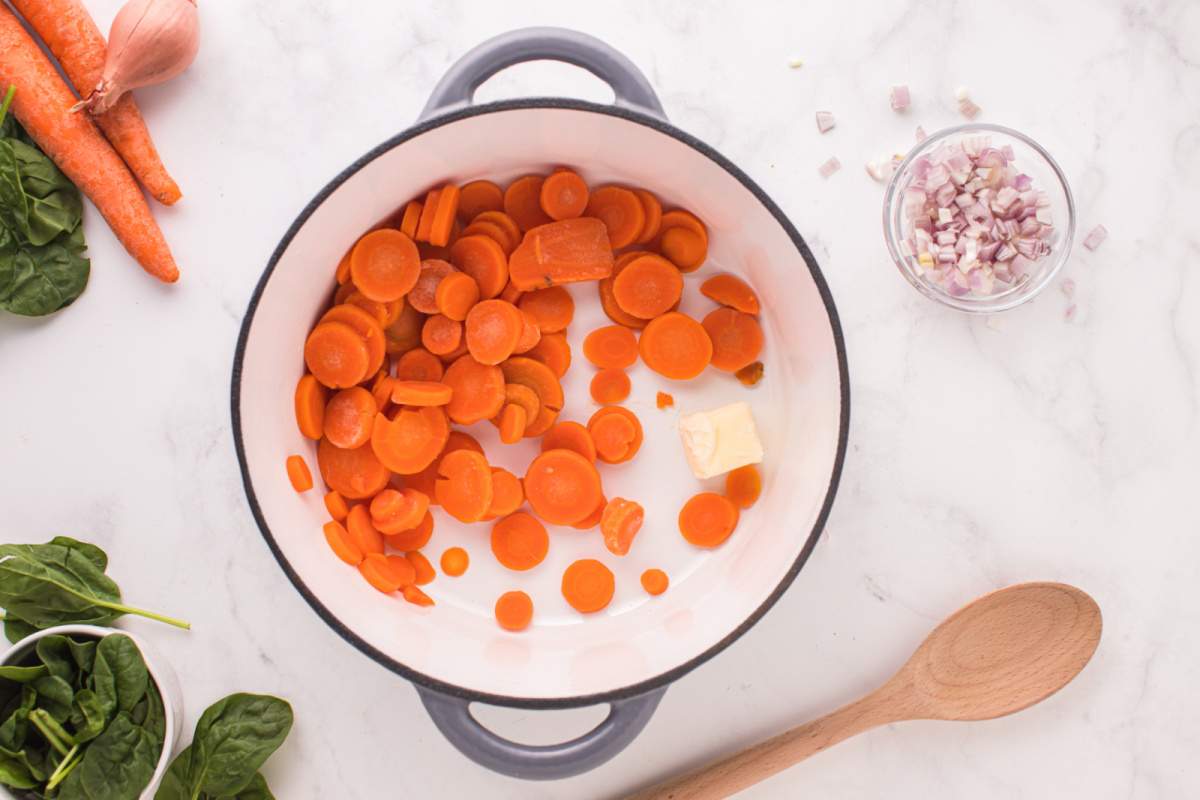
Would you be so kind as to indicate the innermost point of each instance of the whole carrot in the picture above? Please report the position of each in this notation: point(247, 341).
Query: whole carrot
point(42, 105)
point(72, 36)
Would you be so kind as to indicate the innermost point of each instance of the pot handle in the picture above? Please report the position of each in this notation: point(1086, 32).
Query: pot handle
point(625, 720)
point(457, 87)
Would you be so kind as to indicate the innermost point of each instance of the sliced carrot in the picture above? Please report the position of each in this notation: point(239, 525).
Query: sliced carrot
point(593, 519)
point(562, 486)
point(482, 259)
point(570, 436)
point(425, 223)
point(387, 573)
point(342, 293)
point(743, 486)
point(464, 488)
point(455, 561)
point(335, 504)
point(423, 295)
point(683, 240)
point(444, 215)
point(336, 355)
point(367, 326)
point(554, 351)
point(664, 400)
point(441, 335)
point(478, 390)
point(298, 474)
point(653, 212)
point(413, 539)
point(461, 440)
point(730, 290)
point(610, 386)
point(363, 532)
point(410, 218)
point(707, 519)
point(608, 300)
point(678, 218)
point(384, 313)
point(520, 541)
point(655, 581)
point(342, 273)
point(405, 333)
point(419, 365)
point(523, 202)
point(737, 338)
point(381, 391)
point(561, 252)
point(648, 287)
point(564, 195)
point(611, 347)
point(395, 511)
point(421, 393)
point(425, 573)
point(507, 493)
point(514, 611)
point(621, 211)
point(512, 423)
point(675, 346)
point(410, 441)
point(385, 264)
point(617, 433)
point(750, 374)
point(493, 231)
point(478, 196)
point(531, 334)
point(620, 522)
point(415, 596)
point(493, 328)
point(512, 231)
point(355, 473)
point(342, 544)
point(310, 406)
point(349, 417)
point(539, 377)
point(588, 585)
point(553, 308)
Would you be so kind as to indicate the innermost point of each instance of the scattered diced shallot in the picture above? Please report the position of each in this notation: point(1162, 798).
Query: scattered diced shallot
point(921, 135)
point(829, 167)
point(1068, 287)
point(795, 63)
point(1095, 237)
point(900, 98)
point(883, 167)
point(825, 121)
point(966, 106)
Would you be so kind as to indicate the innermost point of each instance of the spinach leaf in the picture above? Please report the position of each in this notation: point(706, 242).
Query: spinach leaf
point(88, 716)
point(43, 279)
point(84, 653)
point(15, 771)
point(119, 673)
point(15, 727)
point(55, 696)
point(257, 789)
point(23, 674)
point(55, 653)
point(16, 629)
point(233, 738)
point(91, 551)
point(156, 717)
point(117, 765)
point(52, 203)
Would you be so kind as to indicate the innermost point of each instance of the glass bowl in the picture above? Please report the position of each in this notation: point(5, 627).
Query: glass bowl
point(1029, 158)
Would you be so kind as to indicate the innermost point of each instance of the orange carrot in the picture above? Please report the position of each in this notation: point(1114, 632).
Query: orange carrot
point(570, 436)
point(354, 474)
point(621, 212)
point(413, 539)
point(457, 294)
point(512, 423)
point(385, 265)
point(368, 329)
point(342, 544)
point(531, 334)
point(654, 581)
point(750, 374)
point(298, 474)
point(477, 390)
point(310, 407)
point(743, 486)
point(653, 210)
point(492, 231)
point(335, 504)
point(381, 391)
point(676, 346)
point(592, 519)
point(620, 523)
point(542, 380)
point(664, 400)
point(514, 611)
point(611, 347)
point(441, 335)
point(394, 511)
point(478, 196)
point(520, 541)
point(648, 287)
point(564, 195)
point(617, 433)
point(707, 519)
point(609, 386)
point(455, 561)
point(425, 223)
point(387, 573)
point(423, 295)
point(421, 393)
point(384, 313)
point(553, 308)
point(553, 351)
point(342, 273)
point(523, 202)
point(411, 441)
point(683, 239)
point(423, 569)
point(336, 355)
point(493, 328)
point(507, 493)
point(419, 364)
point(415, 596)
point(506, 225)
point(362, 531)
point(737, 338)
point(730, 290)
point(70, 33)
point(561, 252)
point(405, 333)
point(523, 396)
point(588, 585)
point(444, 216)
point(608, 300)
point(562, 486)
point(410, 218)
point(349, 417)
point(42, 105)
point(484, 260)
point(464, 488)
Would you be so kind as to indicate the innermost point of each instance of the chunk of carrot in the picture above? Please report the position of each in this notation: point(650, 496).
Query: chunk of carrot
point(512, 423)
point(552, 307)
point(484, 260)
point(342, 544)
point(730, 290)
point(424, 570)
point(455, 561)
point(419, 364)
point(415, 596)
point(363, 532)
point(505, 225)
point(514, 611)
point(457, 294)
point(310, 407)
point(464, 488)
point(405, 333)
point(611, 347)
point(336, 355)
point(542, 380)
point(743, 486)
point(523, 396)
point(367, 326)
point(610, 386)
point(520, 541)
point(750, 374)
point(562, 486)
point(620, 522)
point(564, 195)
point(493, 328)
point(298, 474)
point(617, 433)
point(349, 417)
point(707, 519)
point(409, 442)
point(554, 351)
point(648, 287)
point(423, 295)
point(441, 335)
point(414, 538)
point(395, 511)
point(444, 216)
point(477, 390)
point(507, 493)
point(355, 473)
point(593, 519)
point(476, 197)
point(428, 209)
point(664, 400)
point(421, 393)
point(654, 581)
point(335, 504)
point(523, 202)
point(737, 338)
point(588, 585)
point(531, 334)
point(683, 240)
point(608, 300)
point(385, 264)
point(675, 346)
point(387, 573)
point(410, 218)
point(568, 435)
point(621, 211)
point(653, 211)
point(561, 252)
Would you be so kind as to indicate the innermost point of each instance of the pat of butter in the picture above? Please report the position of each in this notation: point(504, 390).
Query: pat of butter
point(720, 440)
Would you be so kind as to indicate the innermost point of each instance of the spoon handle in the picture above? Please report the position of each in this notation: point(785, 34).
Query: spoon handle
point(759, 762)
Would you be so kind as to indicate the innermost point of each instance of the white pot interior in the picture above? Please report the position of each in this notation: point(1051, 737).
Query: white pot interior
point(797, 406)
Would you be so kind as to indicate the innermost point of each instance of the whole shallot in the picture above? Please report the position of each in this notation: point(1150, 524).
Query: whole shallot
point(151, 41)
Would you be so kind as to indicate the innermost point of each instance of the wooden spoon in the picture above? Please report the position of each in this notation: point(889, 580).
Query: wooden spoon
point(1000, 654)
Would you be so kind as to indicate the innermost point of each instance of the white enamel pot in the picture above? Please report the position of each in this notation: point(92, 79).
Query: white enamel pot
point(626, 656)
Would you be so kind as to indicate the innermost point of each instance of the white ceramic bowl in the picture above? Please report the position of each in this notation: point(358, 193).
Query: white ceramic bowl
point(161, 672)
point(454, 651)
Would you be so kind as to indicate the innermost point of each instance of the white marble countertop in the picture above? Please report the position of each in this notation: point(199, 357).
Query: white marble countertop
point(982, 452)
